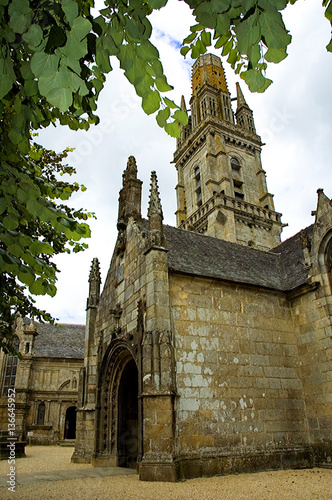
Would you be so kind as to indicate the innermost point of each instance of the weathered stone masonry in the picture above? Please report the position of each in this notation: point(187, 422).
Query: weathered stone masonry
point(209, 350)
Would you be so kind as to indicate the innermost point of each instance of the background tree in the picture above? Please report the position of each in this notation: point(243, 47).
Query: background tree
point(29, 240)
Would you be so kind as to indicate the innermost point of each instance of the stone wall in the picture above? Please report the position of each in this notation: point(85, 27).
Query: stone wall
point(238, 380)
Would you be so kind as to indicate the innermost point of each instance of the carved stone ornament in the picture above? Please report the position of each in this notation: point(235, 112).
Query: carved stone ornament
point(116, 313)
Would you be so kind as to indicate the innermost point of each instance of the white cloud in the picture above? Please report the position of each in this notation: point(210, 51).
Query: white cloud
point(293, 117)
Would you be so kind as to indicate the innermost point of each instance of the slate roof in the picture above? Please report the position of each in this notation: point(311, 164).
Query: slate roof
point(200, 255)
point(62, 341)
point(291, 253)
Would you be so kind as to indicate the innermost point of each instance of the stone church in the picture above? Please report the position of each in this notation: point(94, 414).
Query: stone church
point(209, 350)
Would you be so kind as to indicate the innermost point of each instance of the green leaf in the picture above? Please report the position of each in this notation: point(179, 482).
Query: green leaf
point(20, 16)
point(267, 83)
point(233, 57)
point(173, 129)
point(255, 80)
point(103, 60)
point(147, 51)
point(329, 46)
point(223, 24)
point(34, 35)
point(6, 83)
point(157, 4)
point(70, 8)
point(15, 250)
point(254, 54)
point(10, 221)
point(328, 11)
point(181, 117)
point(31, 87)
point(42, 63)
point(248, 33)
point(272, 4)
point(162, 117)
point(205, 15)
point(190, 38)
point(39, 287)
point(162, 85)
point(81, 27)
point(151, 102)
point(3, 204)
point(170, 104)
point(135, 28)
point(197, 27)
point(184, 50)
point(273, 30)
point(26, 278)
point(206, 38)
point(7, 76)
point(275, 55)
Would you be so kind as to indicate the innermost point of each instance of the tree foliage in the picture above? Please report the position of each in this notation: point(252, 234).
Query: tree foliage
point(54, 57)
point(250, 33)
point(36, 224)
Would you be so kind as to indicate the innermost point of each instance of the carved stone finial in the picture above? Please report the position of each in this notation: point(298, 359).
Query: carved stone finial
point(94, 281)
point(117, 313)
point(130, 195)
point(131, 170)
point(305, 240)
point(155, 215)
point(31, 328)
point(95, 271)
point(154, 203)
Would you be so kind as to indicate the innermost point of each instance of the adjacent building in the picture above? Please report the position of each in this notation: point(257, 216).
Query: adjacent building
point(45, 381)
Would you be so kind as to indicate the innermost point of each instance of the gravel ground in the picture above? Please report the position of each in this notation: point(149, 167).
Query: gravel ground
point(293, 484)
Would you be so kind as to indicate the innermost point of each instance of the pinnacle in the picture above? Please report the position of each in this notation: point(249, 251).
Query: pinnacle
point(183, 105)
point(131, 170)
point(154, 202)
point(240, 97)
point(95, 271)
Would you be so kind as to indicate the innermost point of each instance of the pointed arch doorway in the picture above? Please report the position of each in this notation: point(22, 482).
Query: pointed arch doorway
point(70, 423)
point(128, 421)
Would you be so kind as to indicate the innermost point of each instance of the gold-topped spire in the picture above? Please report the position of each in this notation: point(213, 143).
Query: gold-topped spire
point(208, 69)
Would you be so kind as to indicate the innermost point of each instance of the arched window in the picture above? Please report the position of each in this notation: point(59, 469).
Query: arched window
point(10, 374)
point(328, 260)
point(237, 181)
point(41, 414)
point(235, 164)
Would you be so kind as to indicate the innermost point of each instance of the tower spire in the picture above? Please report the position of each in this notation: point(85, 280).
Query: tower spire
point(219, 166)
point(155, 213)
point(183, 105)
point(244, 115)
point(240, 97)
point(130, 195)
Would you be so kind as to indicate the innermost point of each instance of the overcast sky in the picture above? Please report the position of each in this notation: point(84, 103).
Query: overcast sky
point(293, 117)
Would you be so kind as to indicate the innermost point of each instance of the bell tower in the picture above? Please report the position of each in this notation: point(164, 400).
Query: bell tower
point(221, 188)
